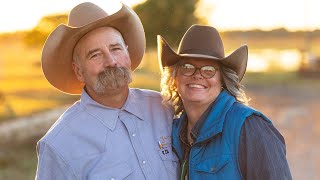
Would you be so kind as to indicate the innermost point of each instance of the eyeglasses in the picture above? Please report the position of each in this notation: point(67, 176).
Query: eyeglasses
point(205, 71)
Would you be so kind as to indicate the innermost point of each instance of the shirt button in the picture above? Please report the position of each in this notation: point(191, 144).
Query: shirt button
point(133, 134)
point(143, 162)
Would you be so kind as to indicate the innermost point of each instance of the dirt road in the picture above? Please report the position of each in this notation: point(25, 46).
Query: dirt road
point(295, 112)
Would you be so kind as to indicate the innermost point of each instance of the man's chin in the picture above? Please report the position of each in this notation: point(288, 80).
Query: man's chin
point(111, 89)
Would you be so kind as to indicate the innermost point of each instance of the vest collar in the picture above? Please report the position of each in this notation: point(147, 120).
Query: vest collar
point(215, 120)
point(213, 123)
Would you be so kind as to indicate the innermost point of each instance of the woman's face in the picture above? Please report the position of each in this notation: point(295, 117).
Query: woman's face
point(194, 88)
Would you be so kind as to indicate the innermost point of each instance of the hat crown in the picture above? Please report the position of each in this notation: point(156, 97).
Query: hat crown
point(85, 13)
point(204, 40)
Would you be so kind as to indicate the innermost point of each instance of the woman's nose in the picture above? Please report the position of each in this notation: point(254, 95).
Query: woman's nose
point(197, 74)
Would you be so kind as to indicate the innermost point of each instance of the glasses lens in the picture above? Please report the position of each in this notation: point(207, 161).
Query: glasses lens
point(187, 69)
point(208, 71)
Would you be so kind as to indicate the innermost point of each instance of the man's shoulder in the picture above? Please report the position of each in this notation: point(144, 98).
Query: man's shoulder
point(151, 102)
point(62, 123)
point(75, 128)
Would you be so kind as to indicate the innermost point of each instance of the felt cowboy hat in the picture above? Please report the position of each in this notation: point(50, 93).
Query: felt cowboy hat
point(57, 52)
point(203, 42)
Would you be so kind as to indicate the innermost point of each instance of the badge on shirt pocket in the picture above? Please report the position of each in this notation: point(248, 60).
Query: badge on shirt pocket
point(164, 144)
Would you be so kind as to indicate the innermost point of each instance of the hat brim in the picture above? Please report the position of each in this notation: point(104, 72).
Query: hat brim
point(236, 61)
point(58, 49)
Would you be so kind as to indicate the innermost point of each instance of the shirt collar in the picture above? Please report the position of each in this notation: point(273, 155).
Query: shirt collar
point(133, 106)
point(213, 119)
point(107, 115)
point(196, 128)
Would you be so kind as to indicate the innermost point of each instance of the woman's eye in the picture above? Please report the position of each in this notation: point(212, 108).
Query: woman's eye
point(188, 66)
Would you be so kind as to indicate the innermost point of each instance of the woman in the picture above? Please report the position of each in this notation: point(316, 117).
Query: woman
point(217, 136)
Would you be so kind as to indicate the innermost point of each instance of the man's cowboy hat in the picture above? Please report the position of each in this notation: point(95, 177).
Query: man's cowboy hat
point(58, 49)
point(203, 42)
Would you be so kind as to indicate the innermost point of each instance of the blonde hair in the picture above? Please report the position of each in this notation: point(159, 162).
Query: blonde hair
point(169, 90)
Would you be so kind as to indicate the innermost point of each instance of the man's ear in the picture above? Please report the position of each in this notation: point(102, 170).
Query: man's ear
point(78, 71)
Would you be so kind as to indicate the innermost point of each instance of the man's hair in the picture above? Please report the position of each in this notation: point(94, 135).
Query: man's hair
point(169, 91)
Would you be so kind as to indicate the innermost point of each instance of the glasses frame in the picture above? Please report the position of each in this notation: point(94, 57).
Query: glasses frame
point(198, 68)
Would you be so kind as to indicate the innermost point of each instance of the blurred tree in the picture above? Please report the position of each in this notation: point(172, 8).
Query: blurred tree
point(169, 18)
point(38, 35)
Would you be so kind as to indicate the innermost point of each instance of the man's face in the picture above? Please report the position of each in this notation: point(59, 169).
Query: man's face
point(102, 60)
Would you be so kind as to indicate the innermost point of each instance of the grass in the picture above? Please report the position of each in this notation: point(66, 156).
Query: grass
point(292, 79)
point(18, 161)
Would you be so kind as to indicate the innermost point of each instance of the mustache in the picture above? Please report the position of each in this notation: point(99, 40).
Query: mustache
point(115, 77)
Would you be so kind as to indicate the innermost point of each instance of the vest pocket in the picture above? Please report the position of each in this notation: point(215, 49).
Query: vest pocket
point(213, 165)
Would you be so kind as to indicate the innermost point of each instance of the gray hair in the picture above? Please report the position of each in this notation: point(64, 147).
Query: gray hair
point(231, 83)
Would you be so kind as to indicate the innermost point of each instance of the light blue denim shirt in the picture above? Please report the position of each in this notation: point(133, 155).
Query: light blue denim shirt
point(92, 141)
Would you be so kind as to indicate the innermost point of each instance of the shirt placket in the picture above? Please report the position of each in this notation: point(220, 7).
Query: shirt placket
point(137, 145)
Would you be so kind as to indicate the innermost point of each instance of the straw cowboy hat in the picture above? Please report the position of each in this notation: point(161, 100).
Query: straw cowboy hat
point(203, 42)
point(58, 49)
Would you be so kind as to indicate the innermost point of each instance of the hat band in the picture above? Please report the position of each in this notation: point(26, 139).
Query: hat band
point(202, 52)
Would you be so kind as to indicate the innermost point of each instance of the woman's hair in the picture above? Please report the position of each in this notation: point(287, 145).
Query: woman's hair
point(230, 81)
point(169, 90)
point(170, 94)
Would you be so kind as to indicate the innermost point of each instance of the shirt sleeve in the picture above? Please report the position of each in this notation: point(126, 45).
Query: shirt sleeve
point(262, 151)
point(50, 165)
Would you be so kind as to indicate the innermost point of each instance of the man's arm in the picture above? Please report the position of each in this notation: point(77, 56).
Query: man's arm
point(50, 164)
point(262, 151)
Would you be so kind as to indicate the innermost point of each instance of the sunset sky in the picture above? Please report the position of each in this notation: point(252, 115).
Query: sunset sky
point(223, 14)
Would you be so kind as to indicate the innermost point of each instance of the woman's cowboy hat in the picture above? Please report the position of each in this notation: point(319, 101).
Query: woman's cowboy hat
point(58, 49)
point(203, 42)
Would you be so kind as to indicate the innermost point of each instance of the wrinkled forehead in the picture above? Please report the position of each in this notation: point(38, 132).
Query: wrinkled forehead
point(108, 34)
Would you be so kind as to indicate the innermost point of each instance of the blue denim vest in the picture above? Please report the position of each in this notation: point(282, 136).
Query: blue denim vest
point(214, 154)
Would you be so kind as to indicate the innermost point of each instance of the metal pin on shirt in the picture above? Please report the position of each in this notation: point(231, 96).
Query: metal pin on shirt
point(160, 144)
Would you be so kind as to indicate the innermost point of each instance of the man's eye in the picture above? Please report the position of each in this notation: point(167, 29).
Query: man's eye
point(94, 56)
point(116, 49)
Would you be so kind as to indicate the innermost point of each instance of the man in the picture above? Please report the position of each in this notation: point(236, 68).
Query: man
point(113, 132)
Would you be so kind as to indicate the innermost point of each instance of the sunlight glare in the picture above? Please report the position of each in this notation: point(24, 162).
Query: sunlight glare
point(265, 15)
point(24, 15)
point(256, 63)
point(290, 60)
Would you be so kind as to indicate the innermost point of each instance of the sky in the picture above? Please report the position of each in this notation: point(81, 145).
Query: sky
point(223, 14)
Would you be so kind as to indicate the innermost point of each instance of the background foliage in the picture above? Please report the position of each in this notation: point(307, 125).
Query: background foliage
point(167, 18)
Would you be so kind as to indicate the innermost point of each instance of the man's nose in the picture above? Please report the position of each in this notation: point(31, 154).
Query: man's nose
point(109, 60)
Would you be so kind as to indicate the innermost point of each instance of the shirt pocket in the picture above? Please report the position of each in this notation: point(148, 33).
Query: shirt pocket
point(169, 160)
point(116, 172)
point(213, 165)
